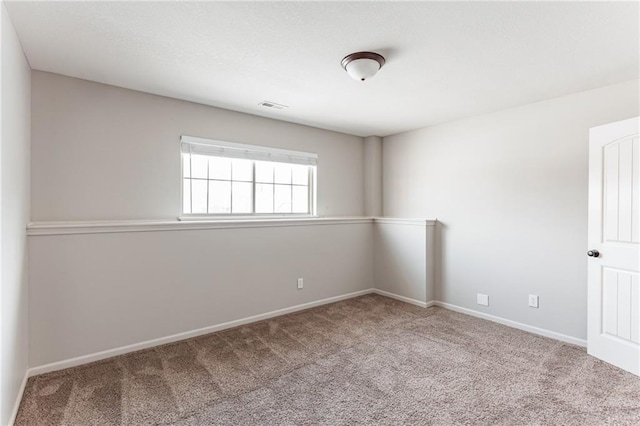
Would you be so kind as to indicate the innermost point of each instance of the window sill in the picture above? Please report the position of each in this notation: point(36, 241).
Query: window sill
point(241, 218)
point(101, 227)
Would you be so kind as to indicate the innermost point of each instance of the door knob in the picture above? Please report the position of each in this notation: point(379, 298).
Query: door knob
point(593, 253)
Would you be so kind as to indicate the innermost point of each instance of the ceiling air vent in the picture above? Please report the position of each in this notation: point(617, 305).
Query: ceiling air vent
point(272, 105)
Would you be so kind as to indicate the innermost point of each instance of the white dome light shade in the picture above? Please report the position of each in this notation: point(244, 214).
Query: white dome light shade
point(362, 69)
point(362, 65)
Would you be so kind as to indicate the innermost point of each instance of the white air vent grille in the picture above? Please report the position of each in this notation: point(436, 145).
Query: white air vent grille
point(272, 105)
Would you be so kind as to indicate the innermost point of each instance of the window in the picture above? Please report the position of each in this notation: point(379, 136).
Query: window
point(225, 178)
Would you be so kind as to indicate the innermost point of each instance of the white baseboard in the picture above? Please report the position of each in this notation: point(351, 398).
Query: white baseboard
point(515, 324)
point(85, 359)
point(404, 299)
point(477, 314)
point(16, 405)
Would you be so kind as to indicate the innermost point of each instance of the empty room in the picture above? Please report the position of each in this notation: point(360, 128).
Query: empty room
point(319, 213)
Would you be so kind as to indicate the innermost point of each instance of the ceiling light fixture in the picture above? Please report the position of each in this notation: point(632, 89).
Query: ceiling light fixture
point(362, 65)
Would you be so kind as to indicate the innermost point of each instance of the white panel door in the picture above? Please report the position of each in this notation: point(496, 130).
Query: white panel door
point(614, 244)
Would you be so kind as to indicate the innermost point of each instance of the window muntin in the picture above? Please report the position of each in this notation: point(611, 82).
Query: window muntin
point(222, 178)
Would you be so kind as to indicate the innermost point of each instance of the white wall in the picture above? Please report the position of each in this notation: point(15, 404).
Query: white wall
point(14, 214)
point(101, 152)
point(403, 258)
point(510, 191)
point(97, 292)
point(373, 176)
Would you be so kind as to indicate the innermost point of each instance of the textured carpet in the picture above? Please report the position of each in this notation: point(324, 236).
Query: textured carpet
point(369, 360)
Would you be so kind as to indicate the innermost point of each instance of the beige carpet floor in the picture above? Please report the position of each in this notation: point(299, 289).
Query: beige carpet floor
point(369, 360)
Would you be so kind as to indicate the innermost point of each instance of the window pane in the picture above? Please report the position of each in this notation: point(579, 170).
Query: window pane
point(242, 170)
point(219, 168)
point(300, 174)
point(198, 196)
point(282, 199)
point(219, 196)
point(264, 198)
point(282, 172)
point(199, 166)
point(264, 171)
point(186, 196)
point(300, 199)
point(186, 166)
point(242, 197)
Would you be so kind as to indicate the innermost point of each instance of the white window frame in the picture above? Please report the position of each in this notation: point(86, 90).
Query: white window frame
point(255, 153)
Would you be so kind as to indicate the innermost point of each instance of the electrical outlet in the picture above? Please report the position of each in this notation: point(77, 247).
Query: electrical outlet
point(300, 283)
point(483, 299)
point(533, 301)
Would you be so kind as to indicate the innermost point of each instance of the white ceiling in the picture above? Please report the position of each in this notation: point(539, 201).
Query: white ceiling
point(444, 60)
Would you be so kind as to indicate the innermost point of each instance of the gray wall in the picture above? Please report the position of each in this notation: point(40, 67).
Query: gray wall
point(510, 191)
point(103, 153)
point(96, 292)
point(14, 214)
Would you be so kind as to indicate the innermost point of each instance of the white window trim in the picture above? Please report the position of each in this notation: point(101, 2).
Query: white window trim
point(263, 154)
point(253, 152)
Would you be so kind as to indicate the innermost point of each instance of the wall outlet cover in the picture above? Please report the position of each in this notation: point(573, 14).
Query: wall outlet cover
point(533, 301)
point(300, 283)
point(483, 299)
